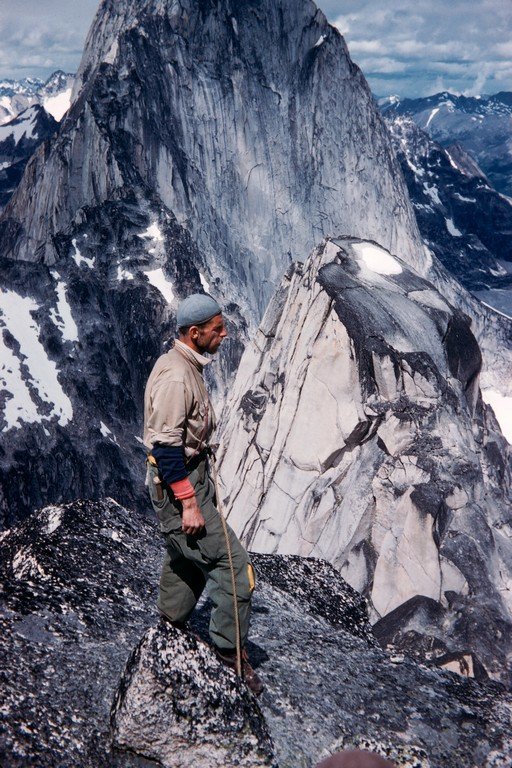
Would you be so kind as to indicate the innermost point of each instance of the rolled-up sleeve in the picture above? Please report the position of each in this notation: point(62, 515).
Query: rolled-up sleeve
point(167, 412)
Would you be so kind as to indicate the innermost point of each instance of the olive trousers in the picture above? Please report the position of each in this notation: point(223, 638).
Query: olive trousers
point(193, 562)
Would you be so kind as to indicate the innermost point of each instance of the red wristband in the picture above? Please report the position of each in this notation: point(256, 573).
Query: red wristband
point(182, 489)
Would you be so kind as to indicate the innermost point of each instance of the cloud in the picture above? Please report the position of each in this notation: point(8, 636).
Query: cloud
point(367, 46)
point(464, 44)
point(401, 46)
point(40, 36)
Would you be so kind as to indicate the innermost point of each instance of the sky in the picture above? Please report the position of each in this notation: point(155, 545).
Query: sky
point(404, 47)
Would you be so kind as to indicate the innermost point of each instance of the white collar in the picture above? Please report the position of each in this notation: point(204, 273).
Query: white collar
point(201, 359)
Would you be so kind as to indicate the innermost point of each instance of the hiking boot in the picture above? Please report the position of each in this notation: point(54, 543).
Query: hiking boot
point(181, 625)
point(249, 676)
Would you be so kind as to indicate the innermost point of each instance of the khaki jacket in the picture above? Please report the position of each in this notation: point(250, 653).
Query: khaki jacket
point(177, 408)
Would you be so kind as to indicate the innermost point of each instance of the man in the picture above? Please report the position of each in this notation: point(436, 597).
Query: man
point(178, 423)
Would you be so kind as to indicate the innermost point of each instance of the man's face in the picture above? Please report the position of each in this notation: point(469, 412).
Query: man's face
point(208, 337)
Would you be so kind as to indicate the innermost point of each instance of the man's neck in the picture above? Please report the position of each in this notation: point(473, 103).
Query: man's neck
point(189, 351)
point(189, 343)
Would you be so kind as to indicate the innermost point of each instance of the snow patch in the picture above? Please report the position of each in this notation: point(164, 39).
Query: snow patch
point(321, 40)
point(500, 272)
point(506, 266)
point(432, 192)
point(79, 259)
point(54, 518)
point(153, 233)
point(58, 105)
point(204, 283)
point(377, 259)
point(23, 127)
point(414, 168)
point(461, 197)
point(25, 565)
point(62, 316)
point(111, 54)
point(124, 274)
point(431, 116)
point(452, 229)
point(105, 431)
point(157, 278)
point(502, 407)
point(38, 373)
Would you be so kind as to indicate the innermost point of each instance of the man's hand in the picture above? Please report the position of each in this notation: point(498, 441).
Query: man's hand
point(192, 519)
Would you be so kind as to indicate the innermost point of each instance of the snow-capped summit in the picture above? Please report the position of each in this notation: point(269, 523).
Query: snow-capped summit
point(23, 127)
point(54, 94)
point(461, 217)
point(30, 111)
point(19, 138)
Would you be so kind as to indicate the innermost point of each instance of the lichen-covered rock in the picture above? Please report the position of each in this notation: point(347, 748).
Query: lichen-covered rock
point(78, 594)
point(356, 433)
point(78, 586)
point(328, 687)
point(178, 705)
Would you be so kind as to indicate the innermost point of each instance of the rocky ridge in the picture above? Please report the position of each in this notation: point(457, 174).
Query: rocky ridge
point(77, 597)
point(78, 588)
point(356, 433)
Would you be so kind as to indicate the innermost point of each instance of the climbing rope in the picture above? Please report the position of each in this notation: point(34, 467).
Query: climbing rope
point(231, 567)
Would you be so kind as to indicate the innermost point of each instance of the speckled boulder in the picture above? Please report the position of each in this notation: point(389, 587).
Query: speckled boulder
point(178, 705)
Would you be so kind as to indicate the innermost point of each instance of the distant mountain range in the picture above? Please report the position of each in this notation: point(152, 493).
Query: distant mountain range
point(30, 111)
point(482, 125)
point(53, 94)
point(461, 217)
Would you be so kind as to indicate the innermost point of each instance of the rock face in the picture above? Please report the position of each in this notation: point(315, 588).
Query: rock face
point(356, 433)
point(77, 596)
point(230, 115)
point(208, 145)
point(462, 219)
point(326, 682)
point(180, 706)
point(482, 125)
